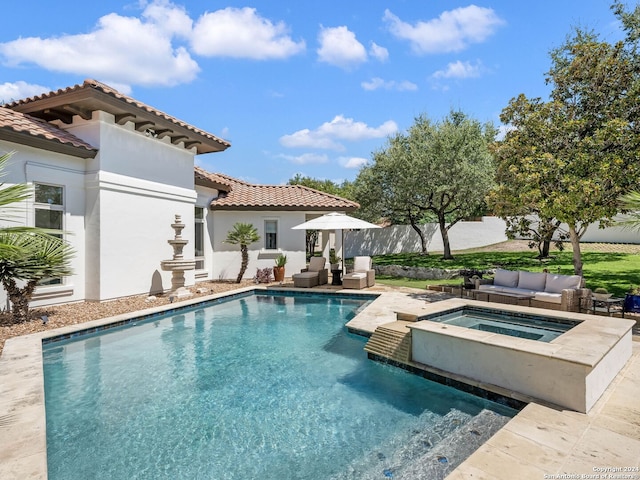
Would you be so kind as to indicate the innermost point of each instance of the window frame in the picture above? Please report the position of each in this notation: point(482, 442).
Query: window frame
point(201, 263)
point(266, 233)
point(49, 207)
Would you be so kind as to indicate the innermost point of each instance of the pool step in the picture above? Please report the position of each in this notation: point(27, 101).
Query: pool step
point(392, 341)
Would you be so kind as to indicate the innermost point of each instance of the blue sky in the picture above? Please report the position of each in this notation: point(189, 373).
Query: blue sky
point(295, 86)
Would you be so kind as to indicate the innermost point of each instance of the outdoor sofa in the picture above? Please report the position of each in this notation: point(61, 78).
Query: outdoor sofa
point(549, 290)
point(315, 274)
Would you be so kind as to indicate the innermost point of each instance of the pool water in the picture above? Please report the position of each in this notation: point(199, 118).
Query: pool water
point(532, 327)
point(264, 386)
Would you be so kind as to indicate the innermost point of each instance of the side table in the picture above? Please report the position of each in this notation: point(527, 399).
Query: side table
point(336, 277)
point(603, 306)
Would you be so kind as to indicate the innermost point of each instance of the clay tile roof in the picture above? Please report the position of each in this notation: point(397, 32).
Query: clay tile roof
point(27, 130)
point(247, 196)
point(94, 95)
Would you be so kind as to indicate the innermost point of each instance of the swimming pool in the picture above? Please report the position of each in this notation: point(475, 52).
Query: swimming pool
point(261, 386)
point(521, 325)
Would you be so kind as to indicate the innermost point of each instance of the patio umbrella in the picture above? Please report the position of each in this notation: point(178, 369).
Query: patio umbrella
point(335, 221)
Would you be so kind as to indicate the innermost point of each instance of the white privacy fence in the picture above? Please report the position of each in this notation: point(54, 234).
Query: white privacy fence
point(463, 235)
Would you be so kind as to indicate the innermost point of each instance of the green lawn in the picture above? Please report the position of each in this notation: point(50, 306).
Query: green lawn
point(613, 270)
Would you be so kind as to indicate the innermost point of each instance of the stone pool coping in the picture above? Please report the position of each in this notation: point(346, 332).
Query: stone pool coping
point(536, 440)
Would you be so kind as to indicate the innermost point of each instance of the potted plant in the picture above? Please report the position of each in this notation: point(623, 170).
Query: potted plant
point(278, 270)
point(632, 300)
point(334, 260)
point(601, 294)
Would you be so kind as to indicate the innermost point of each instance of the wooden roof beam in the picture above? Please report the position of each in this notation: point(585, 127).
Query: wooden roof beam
point(122, 118)
point(145, 124)
point(82, 112)
point(177, 138)
point(55, 114)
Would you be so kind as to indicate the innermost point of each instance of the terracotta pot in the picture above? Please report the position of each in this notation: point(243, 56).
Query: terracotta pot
point(278, 274)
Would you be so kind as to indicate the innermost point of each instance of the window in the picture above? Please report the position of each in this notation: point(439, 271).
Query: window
point(199, 237)
point(271, 234)
point(49, 213)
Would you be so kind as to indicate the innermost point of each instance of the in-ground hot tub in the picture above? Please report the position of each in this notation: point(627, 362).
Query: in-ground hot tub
point(571, 370)
point(514, 324)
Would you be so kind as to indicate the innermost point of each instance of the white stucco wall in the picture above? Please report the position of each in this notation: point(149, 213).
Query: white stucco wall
point(402, 238)
point(135, 186)
point(119, 207)
point(227, 259)
point(29, 165)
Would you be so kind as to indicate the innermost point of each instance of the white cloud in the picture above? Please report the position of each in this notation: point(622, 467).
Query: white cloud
point(452, 31)
point(378, 52)
point(18, 90)
point(460, 70)
point(339, 47)
point(172, 19)
point(377, 83)
point(122, 50)
point(352, 162)
point(329, 134)
point(242, 33)
point(306, 158)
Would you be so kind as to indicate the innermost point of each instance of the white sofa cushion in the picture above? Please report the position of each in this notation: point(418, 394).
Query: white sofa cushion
point(532, 281)
point(506, 278)
point(500, 288)
point(548, 297)
point(556, 283)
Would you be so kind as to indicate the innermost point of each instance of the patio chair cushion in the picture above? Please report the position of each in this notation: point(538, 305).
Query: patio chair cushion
point(305, 279)
point(361, 264)
point(506, 278)
point(316, 264)
point(500, 288)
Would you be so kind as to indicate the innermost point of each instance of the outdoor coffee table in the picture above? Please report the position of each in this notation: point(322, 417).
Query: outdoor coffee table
point(522, 299)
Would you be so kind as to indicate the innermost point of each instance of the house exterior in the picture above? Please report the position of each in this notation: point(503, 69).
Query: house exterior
point(111, 173)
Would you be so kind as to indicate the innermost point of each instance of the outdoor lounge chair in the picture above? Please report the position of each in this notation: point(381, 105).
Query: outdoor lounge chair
point(314, 274)
point(362, 275)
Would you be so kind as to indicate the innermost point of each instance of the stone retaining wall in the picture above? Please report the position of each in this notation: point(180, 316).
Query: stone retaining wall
point(420, 273)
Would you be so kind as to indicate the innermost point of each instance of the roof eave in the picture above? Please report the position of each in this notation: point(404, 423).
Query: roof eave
point(63, 104)
point(29, 140)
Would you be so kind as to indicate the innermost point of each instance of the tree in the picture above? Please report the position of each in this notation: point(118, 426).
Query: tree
point(327, 186)
point(437, 170)
point(27, 254)
point(569, 159)
point(34, 257)
point(384, 189)
point(243, 234)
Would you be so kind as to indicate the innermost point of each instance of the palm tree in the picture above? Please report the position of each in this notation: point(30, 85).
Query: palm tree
point(10, 197)
point(32, 257)
point(27, 254)
point(243, 234)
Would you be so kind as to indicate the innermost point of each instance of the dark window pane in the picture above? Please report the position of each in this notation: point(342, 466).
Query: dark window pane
point(49, 219)
point(199, 213)
point(271, 234)
point(199, 240)
point(48, 194)
point(271, 241)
